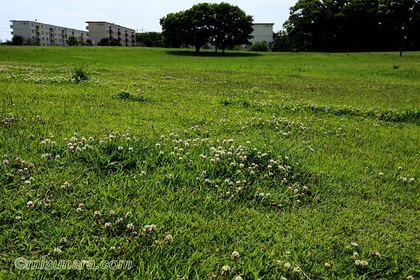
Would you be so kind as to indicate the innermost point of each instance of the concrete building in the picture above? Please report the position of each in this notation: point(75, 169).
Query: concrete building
point(263, 32)
point(102, 29)
point(42, 34)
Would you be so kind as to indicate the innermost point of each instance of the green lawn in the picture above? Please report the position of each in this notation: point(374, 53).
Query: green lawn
point(242, 165)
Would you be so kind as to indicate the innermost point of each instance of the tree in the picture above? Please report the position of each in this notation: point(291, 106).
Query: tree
point(190, 27)
point(222, 24)
point(72, 41)
point(104, 42)
point(115, 42)
point(17, 40)
point(354, 25)
point(231, 26)
point(108, 42)
point(172, 33)
point(281, 42)
point(149, 39)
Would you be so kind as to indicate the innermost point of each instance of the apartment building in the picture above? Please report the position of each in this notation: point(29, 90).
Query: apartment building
point(42, 34)
point(102, 29)
point(263, 32)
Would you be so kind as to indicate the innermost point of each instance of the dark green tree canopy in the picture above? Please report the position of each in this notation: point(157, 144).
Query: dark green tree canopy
point(72, 41)
point(149, 39)
point(354, 25)
point(222, 25)
point(108, 42)
point(17, 40)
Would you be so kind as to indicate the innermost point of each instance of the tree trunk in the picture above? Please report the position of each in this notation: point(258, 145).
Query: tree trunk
point(197, 49)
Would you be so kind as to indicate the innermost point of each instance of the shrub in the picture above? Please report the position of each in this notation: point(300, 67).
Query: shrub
point(259, 47)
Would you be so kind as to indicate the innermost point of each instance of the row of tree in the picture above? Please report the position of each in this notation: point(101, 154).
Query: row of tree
point(353, 25)
point(313, 25)
point(221, 25)
point(18, 40)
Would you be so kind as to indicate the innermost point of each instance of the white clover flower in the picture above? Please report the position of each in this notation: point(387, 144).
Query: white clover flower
point(112, 248)
point(128, 214)
point(375, 253)
point(78, 209)
point(18, 218)
point(149, 228)
point(354, 244)
point(30, 204)
point(235, 255)
point(404, 180)
point(111, 212)
point(108, 226)
point(168, 238)
point(297, 269)
point(225, 270)
point(238, 278)
point(130, 226)
point(365, 263)
point(412, 180)
point(355, 255)
point(57, 250)
point(97, 214)
point(287, 266)
point(63, 240)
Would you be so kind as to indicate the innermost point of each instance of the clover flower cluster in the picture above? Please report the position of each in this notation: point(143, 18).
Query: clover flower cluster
point(75, 144)
point(19, 170)
point(8, 120)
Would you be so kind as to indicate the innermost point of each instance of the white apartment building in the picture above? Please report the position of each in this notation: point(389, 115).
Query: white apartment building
point(101, 29)
point(263, 32)
point(42, 34)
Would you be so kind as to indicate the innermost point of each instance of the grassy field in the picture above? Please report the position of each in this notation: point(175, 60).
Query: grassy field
point(186, 166)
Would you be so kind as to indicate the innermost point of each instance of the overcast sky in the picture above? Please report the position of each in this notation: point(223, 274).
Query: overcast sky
point(137, 14)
